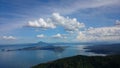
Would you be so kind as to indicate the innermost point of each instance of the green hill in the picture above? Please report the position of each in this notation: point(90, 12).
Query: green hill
point(83, 62)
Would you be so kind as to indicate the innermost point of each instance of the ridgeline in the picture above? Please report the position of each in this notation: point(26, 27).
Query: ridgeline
point(80, 61)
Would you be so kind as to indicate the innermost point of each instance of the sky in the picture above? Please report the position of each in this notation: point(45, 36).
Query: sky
point(29, 21)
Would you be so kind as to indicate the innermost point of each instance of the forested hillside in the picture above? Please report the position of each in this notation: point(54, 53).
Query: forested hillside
point(84, 62)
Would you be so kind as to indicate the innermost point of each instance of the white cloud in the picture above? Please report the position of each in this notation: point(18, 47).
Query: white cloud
point(41, 36)
point(8, 37)
point(100, 34)
point(69, 8)
point(59, 36)
point(41, 23)
point(69, 24)
point(117, 23)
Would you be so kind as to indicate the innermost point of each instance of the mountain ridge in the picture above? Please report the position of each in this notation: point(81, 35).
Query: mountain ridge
point(80, 61)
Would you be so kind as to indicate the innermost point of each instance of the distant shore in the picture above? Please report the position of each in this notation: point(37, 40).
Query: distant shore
point(108, 49)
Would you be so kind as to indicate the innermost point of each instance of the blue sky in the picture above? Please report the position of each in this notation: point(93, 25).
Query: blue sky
point(27, 21)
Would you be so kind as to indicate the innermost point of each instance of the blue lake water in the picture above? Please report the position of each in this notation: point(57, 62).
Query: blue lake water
point(28, 58)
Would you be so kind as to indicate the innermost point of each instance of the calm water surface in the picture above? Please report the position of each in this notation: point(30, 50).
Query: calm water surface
point(26, 59)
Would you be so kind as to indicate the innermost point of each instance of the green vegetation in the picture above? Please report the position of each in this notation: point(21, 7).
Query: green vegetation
point(84, 62)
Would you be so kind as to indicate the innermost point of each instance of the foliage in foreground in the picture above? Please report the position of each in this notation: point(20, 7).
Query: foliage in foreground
point(84, 62)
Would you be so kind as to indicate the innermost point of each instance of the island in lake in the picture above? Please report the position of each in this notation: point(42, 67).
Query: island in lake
point(111, 60)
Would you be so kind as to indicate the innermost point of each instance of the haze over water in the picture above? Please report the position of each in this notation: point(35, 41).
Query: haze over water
point(28, 58)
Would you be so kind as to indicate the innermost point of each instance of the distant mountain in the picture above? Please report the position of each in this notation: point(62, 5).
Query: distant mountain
point(83, 62)
point(26, 44)
point(43, 43)
point(57, 43)
point(61, 43)
point(105, 48)
point(40, 46)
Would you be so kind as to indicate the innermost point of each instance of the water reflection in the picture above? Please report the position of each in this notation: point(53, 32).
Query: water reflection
point(83, 51)
point(15, 57)
point(40, 54)
point(6, 55)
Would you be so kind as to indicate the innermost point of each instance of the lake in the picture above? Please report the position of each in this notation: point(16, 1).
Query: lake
point(28, 58)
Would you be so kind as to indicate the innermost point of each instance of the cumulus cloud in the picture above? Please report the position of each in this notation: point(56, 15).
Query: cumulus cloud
point(41, 23)
point(59, 36)
point(117, 23)
point(40, 36)
point(9, 37)
point(69, 24)
point(101, 33)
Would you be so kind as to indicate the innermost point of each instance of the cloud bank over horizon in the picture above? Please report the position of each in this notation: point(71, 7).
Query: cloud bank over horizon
point(100, 34)
point(9, 38)
point(90, 34)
